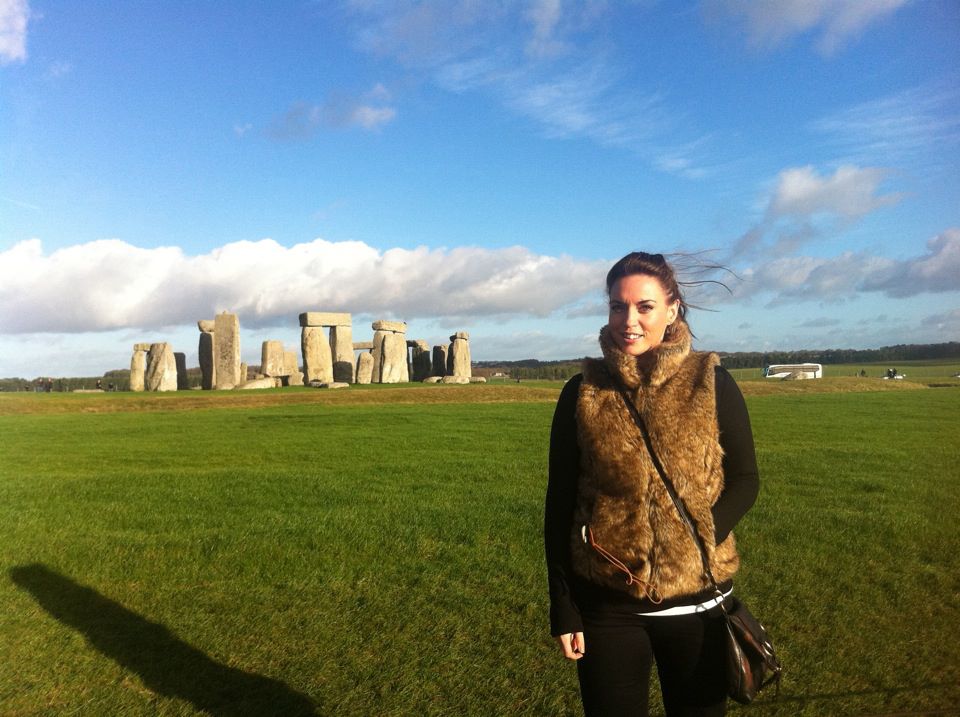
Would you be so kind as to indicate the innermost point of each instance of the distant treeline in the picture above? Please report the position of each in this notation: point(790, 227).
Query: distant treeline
point(888, 354)
point(529, 369)
point(534, 369)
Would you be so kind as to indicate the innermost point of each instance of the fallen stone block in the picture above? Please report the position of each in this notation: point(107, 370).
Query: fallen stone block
point(454, 379)
point(265, 382)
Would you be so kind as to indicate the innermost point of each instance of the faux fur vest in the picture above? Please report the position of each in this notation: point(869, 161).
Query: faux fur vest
point(621, 499)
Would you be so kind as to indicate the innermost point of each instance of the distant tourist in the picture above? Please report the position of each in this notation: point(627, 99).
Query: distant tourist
point(627, 588)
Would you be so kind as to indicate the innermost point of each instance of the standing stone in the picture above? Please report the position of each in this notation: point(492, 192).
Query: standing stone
point(459, 358)
point(317, 360)
point(365, 367)
point(138, 368)
point(226, 350)
point(244, 372)
point(205, 352)
point(439, 361)
point(291, 371)
point(377, 353)
point(180, 359)
point(381, 330)
point(341, 346)
point(161, 368)
point(394, 359)
point(421, 363)
point(272, 359)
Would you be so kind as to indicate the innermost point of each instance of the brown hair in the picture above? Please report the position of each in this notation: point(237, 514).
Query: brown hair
point(655, 265)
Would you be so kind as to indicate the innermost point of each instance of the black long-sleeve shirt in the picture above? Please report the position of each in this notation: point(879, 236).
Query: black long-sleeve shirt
point(568, 593)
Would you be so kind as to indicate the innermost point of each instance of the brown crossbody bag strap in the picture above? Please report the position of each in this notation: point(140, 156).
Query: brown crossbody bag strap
point(671, 491)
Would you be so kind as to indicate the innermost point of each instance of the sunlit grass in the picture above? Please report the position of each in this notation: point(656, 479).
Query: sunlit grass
point(382, 555)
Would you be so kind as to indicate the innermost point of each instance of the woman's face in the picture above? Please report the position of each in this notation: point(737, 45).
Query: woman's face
point(640, 312)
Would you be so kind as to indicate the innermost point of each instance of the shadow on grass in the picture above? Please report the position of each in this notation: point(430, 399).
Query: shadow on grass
point(165, 664)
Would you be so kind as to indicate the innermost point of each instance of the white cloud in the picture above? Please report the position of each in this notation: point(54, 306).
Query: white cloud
point(340, 110)
point(769, 24)
point(850, 193)
point(370, 117)
point(806, 278)
point(110, 284)
point(936, 271)
point(803, 204)
point(14, 15)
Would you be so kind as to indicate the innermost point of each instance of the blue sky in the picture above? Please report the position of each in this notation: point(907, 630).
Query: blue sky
point(473, 166)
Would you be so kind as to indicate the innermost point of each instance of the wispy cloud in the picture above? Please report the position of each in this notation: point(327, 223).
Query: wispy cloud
point(544, 15)
point(919, 125)
point(947, 323)
point(113, 284)
point(17, 202)
point(59, 69)
point(835, 22)
point(14, 16)
point(536, 61)
point(303, 120)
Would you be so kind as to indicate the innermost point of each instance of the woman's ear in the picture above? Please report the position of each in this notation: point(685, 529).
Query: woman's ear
point(672, 312)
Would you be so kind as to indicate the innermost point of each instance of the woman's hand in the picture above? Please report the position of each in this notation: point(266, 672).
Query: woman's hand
point(572, 645)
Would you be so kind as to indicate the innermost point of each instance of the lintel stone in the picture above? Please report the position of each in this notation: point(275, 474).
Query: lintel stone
point(397, 327)
point(205, 325)
point(325, 318)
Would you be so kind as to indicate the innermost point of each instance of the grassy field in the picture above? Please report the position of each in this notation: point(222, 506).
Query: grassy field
point(377, 551)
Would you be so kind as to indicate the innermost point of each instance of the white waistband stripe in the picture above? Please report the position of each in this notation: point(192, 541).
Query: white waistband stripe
point(688, 609)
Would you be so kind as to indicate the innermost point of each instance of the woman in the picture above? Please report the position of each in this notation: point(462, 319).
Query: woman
point(626, 579)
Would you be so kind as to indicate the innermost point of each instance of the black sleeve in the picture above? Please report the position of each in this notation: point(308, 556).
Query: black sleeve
point(564, 472)
point(741, 482)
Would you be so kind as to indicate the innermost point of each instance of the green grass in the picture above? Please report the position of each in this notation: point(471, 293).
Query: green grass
point(384, 557)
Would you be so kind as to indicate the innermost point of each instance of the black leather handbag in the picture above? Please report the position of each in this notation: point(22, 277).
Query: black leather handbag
point(752, 663)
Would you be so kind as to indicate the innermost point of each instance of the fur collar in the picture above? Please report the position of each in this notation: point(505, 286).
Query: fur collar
point(651, 368)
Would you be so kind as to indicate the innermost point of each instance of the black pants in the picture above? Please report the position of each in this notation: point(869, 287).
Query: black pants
point(620, 650)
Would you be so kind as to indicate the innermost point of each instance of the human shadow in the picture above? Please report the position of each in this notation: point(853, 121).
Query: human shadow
point(166, 665)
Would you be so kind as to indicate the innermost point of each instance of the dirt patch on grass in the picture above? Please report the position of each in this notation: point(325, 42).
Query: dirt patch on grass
point(53, 403)
point(410, 394)
point(839, 384)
